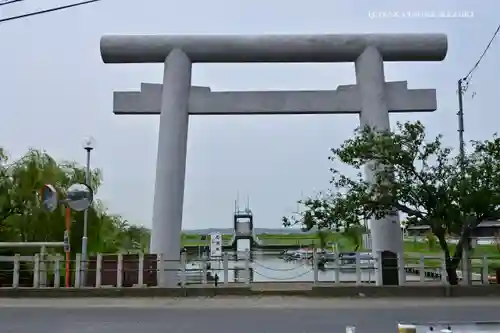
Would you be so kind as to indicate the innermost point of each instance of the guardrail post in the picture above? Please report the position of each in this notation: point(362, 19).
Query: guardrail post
point(422, 268)
point(226, 268)
point(409, 328)
point(78, 270)
point(119, 271)
point(205, 271)
point(140, 271)
point(379, 281)
point(466, 263)
point(485, 271)
point(315, 266)
point(401, 269)
point(247, 267)
point(98, 270)
point(336, 268)
point(350, 329)
point(43, 267)
point(15, 275)
point(444, 273)
point(358, 268)
point(57, 271)
point(159, 269)
point(183, 269)
point(36, 271)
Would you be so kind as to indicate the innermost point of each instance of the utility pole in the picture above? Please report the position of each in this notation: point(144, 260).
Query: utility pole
point(466, 264)
point(460, 115)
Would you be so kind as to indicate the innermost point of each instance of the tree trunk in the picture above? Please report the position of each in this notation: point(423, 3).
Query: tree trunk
point(451, 263)
point(451, 272)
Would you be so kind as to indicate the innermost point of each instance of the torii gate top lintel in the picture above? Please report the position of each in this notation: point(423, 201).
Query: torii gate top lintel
point(272, 48)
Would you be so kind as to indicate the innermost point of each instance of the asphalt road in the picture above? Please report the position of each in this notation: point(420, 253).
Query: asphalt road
point(325, 316)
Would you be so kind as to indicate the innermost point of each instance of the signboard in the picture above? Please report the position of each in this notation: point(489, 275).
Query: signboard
point(66, 241)
point(216, 245)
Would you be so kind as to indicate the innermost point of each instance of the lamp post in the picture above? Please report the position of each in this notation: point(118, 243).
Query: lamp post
point(88, 145)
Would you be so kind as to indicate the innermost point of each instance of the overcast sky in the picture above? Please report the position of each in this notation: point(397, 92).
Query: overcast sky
point(55, 91)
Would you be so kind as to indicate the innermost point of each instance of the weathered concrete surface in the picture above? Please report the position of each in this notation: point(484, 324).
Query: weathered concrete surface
point(244, 302)
point(241, 315)
point(343, 291)
point(272, 48)
point(344, 100)
point(171, 155)
point(123, 292)
point(423, 291)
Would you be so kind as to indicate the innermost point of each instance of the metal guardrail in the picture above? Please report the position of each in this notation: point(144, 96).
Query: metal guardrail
point(123, 270)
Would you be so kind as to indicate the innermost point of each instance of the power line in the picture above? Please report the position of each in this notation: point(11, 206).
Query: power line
point(463, 84)
point(8, 2)
point(45, 11)
point(468, 77)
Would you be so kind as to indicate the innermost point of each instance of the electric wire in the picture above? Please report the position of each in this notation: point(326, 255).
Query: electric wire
point(44, 11)
point(279, 269)
point(466, 79)
point(8, 2)
point(283, 278)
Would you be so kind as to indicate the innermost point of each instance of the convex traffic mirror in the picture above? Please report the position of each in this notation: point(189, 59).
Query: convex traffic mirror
point(49, 198)
point(79, 197)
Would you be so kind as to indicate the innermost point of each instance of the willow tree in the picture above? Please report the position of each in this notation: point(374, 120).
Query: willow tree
point(22, 218)
point(417, 176)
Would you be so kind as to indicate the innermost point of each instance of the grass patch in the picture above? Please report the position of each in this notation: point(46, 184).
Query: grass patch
point(425, 248)
point(303, 240)
point(433, 254)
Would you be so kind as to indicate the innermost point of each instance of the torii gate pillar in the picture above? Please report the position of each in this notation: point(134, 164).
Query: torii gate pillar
point(368, 51)
point(171, 164)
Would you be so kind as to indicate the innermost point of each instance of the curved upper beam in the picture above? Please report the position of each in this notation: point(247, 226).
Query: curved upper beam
point(272, 48)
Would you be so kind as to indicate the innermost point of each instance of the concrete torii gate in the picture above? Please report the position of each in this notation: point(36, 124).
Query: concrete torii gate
point(372, 97)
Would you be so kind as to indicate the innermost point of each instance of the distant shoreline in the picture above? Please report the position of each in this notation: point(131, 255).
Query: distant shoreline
point(257, 231)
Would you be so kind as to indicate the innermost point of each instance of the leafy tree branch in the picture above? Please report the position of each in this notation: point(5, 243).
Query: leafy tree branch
point(415, 175)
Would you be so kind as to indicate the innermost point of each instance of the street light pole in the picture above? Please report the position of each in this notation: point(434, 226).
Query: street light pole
point(88, 146)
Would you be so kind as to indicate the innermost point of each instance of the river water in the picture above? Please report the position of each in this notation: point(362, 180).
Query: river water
point(271, 268)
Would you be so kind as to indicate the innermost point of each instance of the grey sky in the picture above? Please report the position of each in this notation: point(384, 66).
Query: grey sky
point(52, 80)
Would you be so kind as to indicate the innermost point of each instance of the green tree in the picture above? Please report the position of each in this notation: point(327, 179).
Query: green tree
point(431, 240)
point(22, 218)
point(323, 238)
point(326, 212)
point(355, 236)
point(418, 177)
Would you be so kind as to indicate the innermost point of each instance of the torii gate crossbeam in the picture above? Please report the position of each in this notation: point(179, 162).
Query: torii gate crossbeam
point(344, 100)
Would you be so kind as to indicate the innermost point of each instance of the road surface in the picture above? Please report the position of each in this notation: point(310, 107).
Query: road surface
point(234, 315)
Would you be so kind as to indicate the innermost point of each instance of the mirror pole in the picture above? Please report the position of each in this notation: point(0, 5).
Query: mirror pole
point(68, 257)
